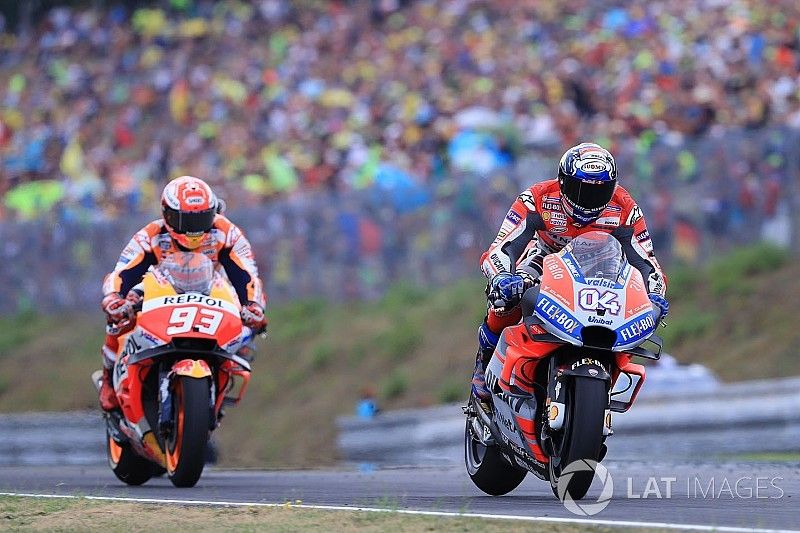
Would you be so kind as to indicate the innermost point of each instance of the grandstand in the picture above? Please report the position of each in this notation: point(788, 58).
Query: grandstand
point(364, 138)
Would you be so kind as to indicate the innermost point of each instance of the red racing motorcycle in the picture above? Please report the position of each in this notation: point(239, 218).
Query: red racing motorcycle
point(556, 377)
point(178, 367)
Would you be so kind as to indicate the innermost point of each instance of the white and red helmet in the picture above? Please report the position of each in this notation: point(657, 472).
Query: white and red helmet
point(188, 206)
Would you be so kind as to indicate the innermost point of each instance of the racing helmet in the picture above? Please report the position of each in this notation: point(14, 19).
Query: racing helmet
point(587, 177)
point(188, 206)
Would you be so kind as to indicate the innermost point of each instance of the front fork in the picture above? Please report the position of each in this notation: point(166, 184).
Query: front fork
point(193, 368)
point(559, 375)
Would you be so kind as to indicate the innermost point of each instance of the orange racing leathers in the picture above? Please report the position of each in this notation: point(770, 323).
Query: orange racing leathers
point(536, 225)
point(225, 245)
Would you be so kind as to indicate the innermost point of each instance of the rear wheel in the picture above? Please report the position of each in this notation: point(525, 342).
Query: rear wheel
point(127, 465)
point(186, 446)
point(582, 434)
point(487, 468)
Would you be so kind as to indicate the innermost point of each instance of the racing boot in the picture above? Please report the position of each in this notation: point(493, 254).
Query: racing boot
point(108, 398)
point(487, 341)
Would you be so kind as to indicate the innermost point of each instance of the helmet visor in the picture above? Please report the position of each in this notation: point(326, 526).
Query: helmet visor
point(586, 195)
point(184, 222)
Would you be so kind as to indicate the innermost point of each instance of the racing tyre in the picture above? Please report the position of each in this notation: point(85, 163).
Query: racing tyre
point(127, 465)
point(186, 446)
point(487, 468)
point(582, 434)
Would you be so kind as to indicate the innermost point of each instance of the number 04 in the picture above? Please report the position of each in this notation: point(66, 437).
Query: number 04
point(183, 321)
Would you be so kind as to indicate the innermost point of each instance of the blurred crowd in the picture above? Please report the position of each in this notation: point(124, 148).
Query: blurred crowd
point(406, 126)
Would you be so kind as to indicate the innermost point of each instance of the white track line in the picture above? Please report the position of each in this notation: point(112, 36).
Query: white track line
point(548, 519)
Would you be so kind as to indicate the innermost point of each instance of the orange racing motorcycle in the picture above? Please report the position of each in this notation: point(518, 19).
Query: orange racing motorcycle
point(556, 377)
point(179, 364)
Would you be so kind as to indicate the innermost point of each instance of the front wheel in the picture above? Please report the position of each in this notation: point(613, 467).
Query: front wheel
point(487, 468)
point(127, 465)
point(186, 445)
point(582, 435)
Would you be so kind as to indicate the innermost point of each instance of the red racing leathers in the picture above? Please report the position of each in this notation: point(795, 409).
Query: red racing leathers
point(536, 225)
point(225, 245)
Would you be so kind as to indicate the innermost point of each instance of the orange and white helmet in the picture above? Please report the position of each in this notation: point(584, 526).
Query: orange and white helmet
point(188, 206)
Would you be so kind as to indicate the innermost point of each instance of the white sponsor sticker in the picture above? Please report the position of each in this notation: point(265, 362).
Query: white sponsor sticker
point(190, 298)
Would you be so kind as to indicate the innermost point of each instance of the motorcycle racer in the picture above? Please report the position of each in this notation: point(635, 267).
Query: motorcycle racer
point(542, 220)
point(191, 221)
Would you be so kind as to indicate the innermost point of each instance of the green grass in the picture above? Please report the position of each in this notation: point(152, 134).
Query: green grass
point(395, 385)
point(731, 272)
point(766, 457)
point(78, 514)
point(414, 347)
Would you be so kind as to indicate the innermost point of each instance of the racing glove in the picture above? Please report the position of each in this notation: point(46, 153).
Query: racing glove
point(660, 303)
point(253, 317)
point(117, 308)
point(505, 290)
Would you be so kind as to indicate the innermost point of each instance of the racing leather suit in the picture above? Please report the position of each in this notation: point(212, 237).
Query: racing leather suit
point(536, 226)
point(225, 245)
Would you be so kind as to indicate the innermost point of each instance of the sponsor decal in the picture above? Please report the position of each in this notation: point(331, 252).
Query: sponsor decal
point(613, 208)
point(514, 217)
point(600, 282)
point(192, 298)
point(546, 216)
point(637, 328)
point(656, 283)
point(559, 240)
point(636, 214)
point(497, 262)
point(172, 200)
point(508, 424)
point(189, 298)
point(527, 199)
point(131, 346)
point(572, 268)
point(593, 165)
point(194, 200)
point(557, 315)
point(607, 221)
point(597, 320)
point(586, 361)
point(554, 267)
point(642, 235)
point(552, 206)
point(500, 236)
point(556, 230)
point(148, 337)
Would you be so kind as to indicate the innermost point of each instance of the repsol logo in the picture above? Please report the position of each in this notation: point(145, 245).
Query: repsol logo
point(637, 328)
point(193, 299)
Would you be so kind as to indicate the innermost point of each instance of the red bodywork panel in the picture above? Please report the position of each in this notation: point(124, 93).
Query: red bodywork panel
point(520, 361)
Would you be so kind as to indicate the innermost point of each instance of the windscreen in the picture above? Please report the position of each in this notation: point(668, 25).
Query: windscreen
point(188, 272)
point(598, 254)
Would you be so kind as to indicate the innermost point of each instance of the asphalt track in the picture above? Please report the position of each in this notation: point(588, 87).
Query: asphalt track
point(735, 495)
